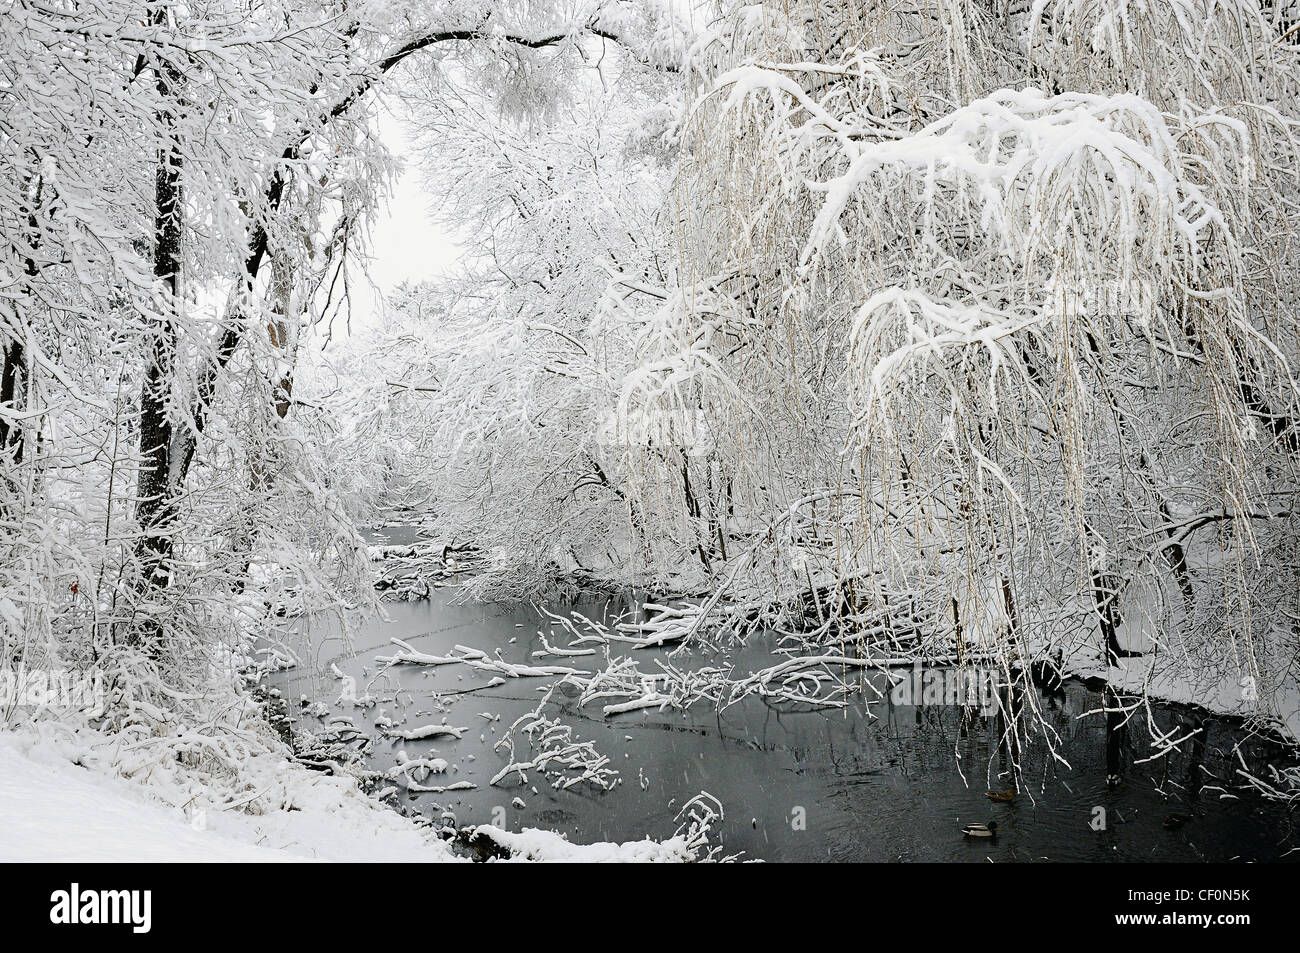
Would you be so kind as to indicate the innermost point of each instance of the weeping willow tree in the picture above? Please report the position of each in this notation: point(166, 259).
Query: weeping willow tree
point(992, 312)
point(953, 331)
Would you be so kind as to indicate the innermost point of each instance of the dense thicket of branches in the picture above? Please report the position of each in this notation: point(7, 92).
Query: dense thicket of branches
point(946, 328)
point(184, 189)
point(952, 327)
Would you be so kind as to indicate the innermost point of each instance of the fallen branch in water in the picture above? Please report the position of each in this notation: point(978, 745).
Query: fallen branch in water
point(428, 731)
point(559, 755)
point(411, 656)
point(440, 788)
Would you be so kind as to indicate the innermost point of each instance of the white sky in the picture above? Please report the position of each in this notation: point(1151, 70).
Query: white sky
point(405, 243)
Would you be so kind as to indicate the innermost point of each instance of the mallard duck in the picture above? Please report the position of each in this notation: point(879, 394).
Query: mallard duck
point(1007, 795)
point(981, 830)
point(1175, 821)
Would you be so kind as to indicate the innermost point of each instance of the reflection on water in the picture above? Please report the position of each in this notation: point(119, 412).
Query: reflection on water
point(883, 782)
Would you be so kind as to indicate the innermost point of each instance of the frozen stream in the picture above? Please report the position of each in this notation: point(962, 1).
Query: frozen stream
point(841, 785)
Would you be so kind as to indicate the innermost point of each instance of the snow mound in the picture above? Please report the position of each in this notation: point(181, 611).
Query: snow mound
point(54, 809)
point(531, 844)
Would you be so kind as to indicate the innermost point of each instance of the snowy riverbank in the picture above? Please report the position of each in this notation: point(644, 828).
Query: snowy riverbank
point(61, 802)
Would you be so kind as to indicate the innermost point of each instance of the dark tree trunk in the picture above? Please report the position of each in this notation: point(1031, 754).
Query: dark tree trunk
point(155, 510)
point(1105, 593)
point(157, 481)
point(1116, 722)
point(695, 513)
point(13, 373)
point(13, 356)
point(12, 378)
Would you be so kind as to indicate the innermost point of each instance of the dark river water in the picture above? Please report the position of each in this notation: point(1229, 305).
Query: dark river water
point(882, 782)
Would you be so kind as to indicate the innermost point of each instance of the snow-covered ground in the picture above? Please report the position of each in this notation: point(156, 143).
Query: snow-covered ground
point(53, 809)
point(56, 812)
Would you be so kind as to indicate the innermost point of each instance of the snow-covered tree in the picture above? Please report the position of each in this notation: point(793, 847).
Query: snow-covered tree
point(965, 328)
point(186, 188)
